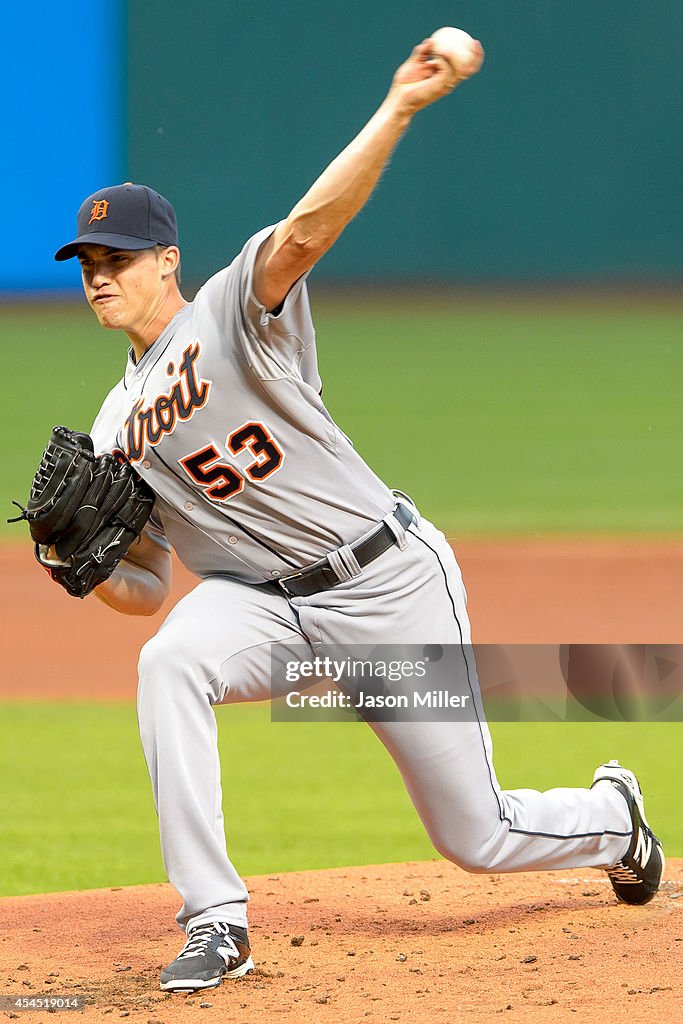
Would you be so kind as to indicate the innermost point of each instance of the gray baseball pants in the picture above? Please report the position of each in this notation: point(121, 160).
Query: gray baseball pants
point(214, 648)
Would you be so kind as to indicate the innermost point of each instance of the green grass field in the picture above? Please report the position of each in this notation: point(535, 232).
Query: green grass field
point(78, 811)
point(523, 418)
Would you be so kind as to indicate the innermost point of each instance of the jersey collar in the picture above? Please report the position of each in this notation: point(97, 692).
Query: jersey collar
point(134, 371)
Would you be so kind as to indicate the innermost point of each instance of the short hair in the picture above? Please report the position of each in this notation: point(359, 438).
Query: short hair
point(160, 247)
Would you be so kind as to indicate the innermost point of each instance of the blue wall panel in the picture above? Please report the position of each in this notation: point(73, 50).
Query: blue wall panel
point(562, 160)
point(62, 79)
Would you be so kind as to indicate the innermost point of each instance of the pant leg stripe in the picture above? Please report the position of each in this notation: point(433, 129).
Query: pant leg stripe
point(504, 817)
point(572, 835)
point(501, 814)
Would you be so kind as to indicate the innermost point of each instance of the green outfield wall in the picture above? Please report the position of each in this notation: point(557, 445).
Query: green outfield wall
point(561, 160)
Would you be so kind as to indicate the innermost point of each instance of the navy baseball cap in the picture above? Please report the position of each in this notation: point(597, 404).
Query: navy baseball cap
point(123, 217)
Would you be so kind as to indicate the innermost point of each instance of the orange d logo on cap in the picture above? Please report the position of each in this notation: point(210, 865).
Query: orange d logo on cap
point(123, 217)
point(99, 210)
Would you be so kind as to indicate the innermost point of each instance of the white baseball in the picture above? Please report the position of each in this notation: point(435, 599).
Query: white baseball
point(463, 53)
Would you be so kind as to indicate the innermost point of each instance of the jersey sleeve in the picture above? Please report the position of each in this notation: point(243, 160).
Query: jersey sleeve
point(275, 344)
point(104, 430)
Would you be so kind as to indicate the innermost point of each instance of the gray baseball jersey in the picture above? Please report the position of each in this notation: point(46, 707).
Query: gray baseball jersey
point(259, 481)
point(223, 416)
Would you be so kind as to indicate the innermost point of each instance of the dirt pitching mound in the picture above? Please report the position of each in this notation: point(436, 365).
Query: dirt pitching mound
point(410, 942)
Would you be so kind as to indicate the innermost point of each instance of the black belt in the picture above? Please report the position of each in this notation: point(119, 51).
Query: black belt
point(312, 581)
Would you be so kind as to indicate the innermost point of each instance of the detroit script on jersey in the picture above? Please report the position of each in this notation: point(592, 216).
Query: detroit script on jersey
point(148, 422)
point(223, 417)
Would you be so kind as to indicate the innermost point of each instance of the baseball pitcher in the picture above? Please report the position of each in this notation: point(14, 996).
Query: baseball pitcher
point(218, 421)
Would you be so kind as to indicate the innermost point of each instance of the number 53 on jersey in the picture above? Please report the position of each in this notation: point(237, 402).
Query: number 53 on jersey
point(222, 481)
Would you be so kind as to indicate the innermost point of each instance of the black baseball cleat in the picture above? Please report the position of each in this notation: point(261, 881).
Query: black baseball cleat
point(212, 952)
point(636, 878)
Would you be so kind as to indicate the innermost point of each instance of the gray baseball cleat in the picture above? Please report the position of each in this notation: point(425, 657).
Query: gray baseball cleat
point(212, 952)
point(636, 877)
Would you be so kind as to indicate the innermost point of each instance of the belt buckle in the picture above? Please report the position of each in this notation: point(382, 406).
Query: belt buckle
point(282, 583)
